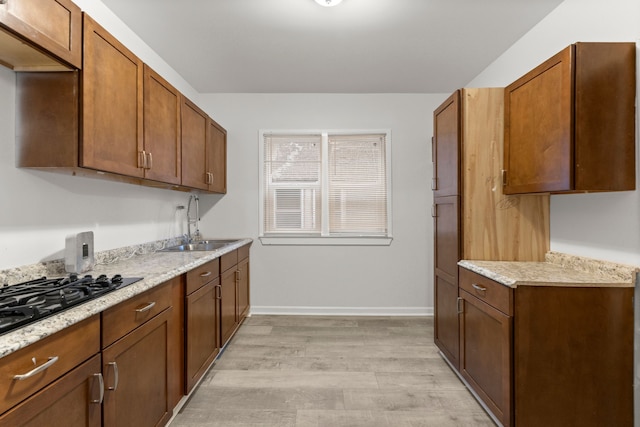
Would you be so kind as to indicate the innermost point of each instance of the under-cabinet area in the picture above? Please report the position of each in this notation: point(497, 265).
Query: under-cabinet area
point(132, 356)
point(548, 343)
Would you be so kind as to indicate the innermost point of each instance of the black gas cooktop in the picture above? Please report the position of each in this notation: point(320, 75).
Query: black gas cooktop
point(27, 302)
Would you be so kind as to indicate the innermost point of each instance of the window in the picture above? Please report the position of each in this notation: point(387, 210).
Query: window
point(325, 187)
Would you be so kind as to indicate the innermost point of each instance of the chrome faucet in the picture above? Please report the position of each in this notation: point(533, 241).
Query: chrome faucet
point(193, 221)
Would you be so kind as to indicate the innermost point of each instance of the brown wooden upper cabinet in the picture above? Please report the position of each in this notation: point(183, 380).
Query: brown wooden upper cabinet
point(204, 148)
point(194, 142)
point(117, 119)
point(161, 156)
point(216, 158)
point(40, 35)
point(112, 100)
point(445, 147)
point(570, 122)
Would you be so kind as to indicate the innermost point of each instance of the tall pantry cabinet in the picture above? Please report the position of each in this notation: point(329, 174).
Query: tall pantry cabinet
point(472, 218)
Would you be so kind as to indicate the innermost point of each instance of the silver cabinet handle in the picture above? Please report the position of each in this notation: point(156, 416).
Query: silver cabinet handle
point(115, 374)
point(206, 274)
point(460, 307)
point(478, 287)
point(37, 369)
point(146, 307)
point(218, 292)
point(142, 159)
point(101, 382)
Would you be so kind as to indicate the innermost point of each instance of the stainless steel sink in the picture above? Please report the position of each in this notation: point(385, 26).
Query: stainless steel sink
point(202, 245)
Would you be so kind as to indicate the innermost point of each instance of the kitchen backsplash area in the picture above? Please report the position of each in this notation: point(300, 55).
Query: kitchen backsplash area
point(57, 267)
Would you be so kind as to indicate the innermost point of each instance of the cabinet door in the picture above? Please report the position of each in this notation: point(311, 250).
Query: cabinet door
point(486, 354)
point(54, 25)
point(112, 99)
point(228, 304)
point(217, 158)
point(538, 140)
point(574, 364)
point(243, 289)
point(202, 331)
point(194, 141)
point(162, 152)
point(73, 400)
point(447, 255)
point(445, 147)
point(135, 370)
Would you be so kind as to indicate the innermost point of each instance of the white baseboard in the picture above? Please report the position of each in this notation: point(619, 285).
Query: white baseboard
point(343, 311)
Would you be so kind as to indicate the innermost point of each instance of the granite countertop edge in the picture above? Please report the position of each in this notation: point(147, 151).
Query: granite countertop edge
point(557, 270)
point(155, 267)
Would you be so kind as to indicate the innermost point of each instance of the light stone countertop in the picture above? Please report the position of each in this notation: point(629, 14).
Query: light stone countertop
point(557, 270)
point(155, 267)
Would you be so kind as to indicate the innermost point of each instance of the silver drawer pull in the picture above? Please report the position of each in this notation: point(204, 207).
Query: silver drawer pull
point(207, 274)
point(146, 307)
point(36, 370)
point(478, 287)
point(101, 383)
point(115, 375)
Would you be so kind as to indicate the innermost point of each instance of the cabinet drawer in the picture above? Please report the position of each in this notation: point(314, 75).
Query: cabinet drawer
point(243, 252)
point(71, 347)
point(202, 275)
point(487, 290)
point(76, 395)
point(228, 260)
point(125, 317)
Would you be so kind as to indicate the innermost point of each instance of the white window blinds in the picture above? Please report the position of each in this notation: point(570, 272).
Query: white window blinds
point(292, 181)
point(357, 184)
point(325, 184)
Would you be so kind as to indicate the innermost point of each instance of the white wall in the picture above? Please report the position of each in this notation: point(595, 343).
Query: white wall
point(355, 279)
point(607, 225)
point(39, 209)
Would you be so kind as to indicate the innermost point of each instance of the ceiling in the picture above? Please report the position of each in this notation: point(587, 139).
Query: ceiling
point(359, 46)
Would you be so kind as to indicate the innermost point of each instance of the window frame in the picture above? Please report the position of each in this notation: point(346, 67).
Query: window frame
point(322, 239)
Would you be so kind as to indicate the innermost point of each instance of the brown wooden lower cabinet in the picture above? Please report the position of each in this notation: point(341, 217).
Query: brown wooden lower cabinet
point(73, 400)
point(135, 374)
point(243, 289)
point(141, 362)
point(485, 354)
point(202, 331)
point(548, 355)
point(228, 307)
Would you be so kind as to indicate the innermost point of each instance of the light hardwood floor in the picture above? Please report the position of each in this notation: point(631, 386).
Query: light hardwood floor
point(313, 371)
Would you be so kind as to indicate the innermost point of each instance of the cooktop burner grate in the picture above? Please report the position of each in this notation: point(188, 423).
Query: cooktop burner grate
point(33, 300)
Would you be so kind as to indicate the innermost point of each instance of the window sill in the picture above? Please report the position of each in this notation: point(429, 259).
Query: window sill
point(326, 241)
